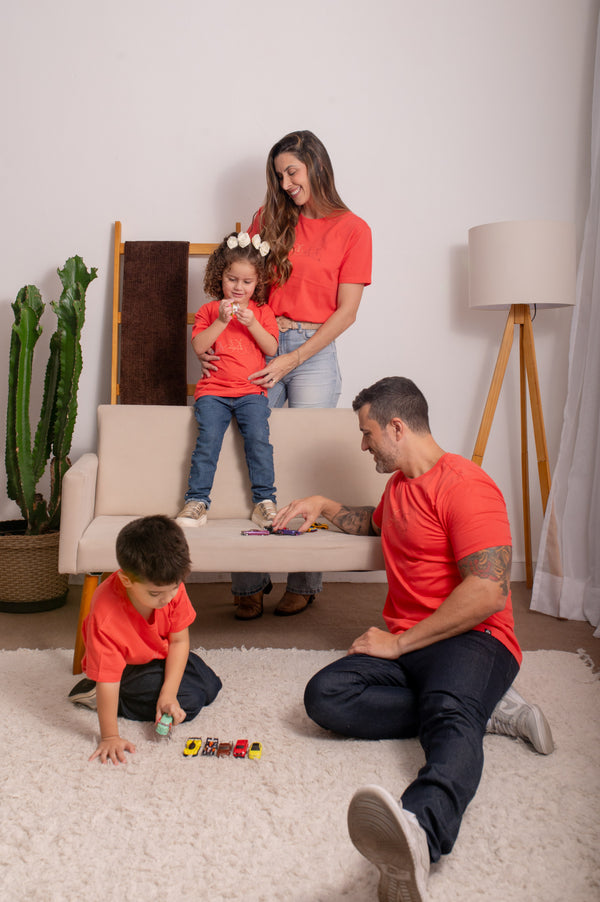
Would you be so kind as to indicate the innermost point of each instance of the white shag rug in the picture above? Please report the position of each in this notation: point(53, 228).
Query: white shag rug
point(163, 827)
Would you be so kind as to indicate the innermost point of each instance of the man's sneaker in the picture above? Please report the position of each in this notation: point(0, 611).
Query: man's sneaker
point(393, 840)
point(84, 693)
point(264, 514)
point(513, 716)
point(192, 514)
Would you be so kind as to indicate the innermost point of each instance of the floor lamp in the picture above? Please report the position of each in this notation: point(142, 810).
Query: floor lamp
point(516, 265)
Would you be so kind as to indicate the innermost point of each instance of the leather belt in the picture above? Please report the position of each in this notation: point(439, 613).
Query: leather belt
point(285, 323)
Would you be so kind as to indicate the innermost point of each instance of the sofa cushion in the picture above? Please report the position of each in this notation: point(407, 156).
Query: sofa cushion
point(219, 547)
point(144, 457)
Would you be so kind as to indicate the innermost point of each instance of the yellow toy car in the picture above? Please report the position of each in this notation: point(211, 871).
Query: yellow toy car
point(255, 750)
point(192, 747)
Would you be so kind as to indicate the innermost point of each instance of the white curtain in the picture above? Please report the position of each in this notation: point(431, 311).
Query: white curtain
point(567, 579)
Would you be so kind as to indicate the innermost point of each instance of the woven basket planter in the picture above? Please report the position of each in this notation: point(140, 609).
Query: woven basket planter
point(29, 577)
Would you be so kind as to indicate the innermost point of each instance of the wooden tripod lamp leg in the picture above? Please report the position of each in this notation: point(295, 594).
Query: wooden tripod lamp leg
point(494, 392)
point(90, 585)
point(525, 462)
point(537, 416)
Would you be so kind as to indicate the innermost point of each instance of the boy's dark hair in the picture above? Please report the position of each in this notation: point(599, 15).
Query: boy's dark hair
point(392, 397)
point(154, 549)
point(223, 257)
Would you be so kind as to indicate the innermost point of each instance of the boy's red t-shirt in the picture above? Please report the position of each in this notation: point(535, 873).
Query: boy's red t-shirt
point(115, 634)
point(327, 252)
point(427, 525)
point(239, 353)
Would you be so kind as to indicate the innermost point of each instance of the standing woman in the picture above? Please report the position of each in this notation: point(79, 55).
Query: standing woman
point(319, 264)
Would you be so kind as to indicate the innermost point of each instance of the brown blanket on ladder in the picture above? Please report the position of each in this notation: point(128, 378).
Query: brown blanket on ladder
point(154, 323)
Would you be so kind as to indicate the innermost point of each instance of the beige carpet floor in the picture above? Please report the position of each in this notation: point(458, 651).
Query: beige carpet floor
point(163, 828)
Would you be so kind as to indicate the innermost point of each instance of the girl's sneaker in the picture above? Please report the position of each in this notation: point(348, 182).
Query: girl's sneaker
point(192, 514)
point(264, 514)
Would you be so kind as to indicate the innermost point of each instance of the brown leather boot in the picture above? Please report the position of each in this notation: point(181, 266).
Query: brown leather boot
point(291, 603)
point(249, 607)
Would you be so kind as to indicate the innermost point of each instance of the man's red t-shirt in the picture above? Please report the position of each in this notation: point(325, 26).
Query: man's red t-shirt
point(428, 524)
point(115, 634)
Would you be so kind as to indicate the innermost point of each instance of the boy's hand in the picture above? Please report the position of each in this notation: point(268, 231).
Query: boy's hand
point(113, 748)
point(169, 706)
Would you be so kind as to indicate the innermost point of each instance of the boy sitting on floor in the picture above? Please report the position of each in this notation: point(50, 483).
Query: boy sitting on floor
point(137, 658)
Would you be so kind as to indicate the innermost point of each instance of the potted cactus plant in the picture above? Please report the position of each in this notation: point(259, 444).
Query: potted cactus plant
point(30, 580)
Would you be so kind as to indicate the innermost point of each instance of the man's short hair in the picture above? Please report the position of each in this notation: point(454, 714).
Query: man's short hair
point(154, 549)
point(395, 396)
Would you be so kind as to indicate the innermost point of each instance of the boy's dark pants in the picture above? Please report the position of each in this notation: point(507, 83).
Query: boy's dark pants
point(141, 685)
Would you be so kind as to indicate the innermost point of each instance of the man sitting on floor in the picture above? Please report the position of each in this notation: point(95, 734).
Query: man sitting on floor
point(444, 669)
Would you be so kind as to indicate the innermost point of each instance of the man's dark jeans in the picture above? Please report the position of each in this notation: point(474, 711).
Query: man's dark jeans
point(444, 694)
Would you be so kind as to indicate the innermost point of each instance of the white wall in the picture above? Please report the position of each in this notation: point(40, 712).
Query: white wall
point(438, 115)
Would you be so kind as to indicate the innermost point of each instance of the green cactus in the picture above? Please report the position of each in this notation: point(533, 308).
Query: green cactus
point(25, 465)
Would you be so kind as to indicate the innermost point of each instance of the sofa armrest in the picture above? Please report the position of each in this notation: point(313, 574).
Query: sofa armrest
point(77, 509)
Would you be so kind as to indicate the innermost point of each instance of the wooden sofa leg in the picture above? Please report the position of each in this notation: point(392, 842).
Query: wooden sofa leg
point(90, 585)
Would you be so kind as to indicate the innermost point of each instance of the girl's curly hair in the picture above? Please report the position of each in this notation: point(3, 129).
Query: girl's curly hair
point(279, 215)
point(221, 259)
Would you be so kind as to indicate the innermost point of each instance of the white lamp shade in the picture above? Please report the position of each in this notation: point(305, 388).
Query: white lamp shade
point(530, 262)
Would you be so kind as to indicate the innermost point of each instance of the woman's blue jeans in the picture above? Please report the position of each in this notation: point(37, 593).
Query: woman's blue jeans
point(315, 383)
point(213, 415)
point(445, 695)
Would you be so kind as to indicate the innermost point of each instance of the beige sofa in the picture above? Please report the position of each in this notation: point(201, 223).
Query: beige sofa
point(141, 468)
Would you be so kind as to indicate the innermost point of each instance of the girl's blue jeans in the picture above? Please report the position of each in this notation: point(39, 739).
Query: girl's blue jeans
point(444, 694)
point(213, 415)
point(315, 383)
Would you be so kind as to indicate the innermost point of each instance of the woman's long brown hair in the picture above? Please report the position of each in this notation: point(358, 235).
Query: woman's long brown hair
point(280, 214)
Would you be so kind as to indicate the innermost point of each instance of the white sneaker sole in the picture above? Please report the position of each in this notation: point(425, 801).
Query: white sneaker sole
point(262, 522)
point(539, 732)
point(381, 832)
point(189, 521)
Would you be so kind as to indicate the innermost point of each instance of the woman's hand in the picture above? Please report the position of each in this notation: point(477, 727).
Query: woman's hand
point(207, 361)
point(275, 370)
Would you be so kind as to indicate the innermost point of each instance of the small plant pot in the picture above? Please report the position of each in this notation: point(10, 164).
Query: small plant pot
point(29, 577)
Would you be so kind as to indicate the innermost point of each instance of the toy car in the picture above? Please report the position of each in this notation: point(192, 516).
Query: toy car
point(192, 747)
point(163, 727)
point(225, 749)
point(241, 748)
point(255, 750)
point(210, 747)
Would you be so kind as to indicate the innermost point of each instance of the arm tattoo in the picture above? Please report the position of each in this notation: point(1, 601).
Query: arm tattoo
point(355, 520)
point(489, 563)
